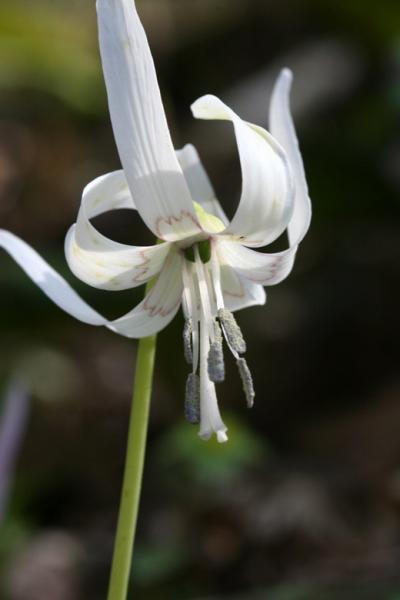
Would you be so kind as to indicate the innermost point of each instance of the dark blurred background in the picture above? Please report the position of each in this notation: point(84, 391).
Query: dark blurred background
point(303, 503)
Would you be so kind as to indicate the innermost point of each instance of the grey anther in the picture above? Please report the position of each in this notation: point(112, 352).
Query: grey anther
point(232, 331)
point(216, 365)
point(187, 341)
point(192, 399)
point(247, 381)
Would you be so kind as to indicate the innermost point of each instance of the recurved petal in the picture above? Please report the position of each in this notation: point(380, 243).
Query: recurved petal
point(114, 266)
point(199, 182)
point(99, 261)
point(159, 306)
point(140, 128)
point(155, 312)
point(239, 292)
point(107, 192)
point(266, 202)
point(282, 128)
point(258, 267)
point(48, 280)
point(263, 268)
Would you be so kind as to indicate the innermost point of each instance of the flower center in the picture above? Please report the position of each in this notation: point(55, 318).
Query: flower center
point(207, 323)
point(204, 248)
point(209, 222)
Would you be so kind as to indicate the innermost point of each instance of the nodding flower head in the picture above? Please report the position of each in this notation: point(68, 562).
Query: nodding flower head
point(206, 263)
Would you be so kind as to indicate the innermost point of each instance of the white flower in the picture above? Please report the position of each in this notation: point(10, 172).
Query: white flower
point(204, 262)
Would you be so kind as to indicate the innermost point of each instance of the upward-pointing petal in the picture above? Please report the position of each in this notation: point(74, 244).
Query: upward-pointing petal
point(155, 178)
point(282, 128)
point(267, 197)
point(270, 269)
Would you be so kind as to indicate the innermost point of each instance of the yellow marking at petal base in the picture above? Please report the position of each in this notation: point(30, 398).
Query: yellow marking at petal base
point(209, 222)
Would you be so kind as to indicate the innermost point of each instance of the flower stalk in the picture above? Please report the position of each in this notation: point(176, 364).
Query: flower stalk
point(133, 473)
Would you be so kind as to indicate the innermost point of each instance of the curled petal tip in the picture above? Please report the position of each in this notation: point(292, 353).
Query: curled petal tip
point(205, 107)
point(284, 81)
point(286, 74)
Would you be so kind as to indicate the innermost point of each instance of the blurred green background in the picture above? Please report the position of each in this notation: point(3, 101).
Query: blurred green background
point(303, 503)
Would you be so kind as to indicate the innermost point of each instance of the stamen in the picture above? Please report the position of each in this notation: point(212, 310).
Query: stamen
point(187, 341)
point(215, 364)
point(232, 331)
point(192, 399)
point(247, 381)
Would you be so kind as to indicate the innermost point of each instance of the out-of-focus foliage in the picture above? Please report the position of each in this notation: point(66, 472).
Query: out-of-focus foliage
point(186, 457)
point(49, 47)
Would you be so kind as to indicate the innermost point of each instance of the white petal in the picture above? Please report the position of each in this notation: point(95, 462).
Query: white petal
point(239, 293)
point(140, 128)
point(159, 306)
point(48, 280)
point(282, 128)
point(259, 267)
point(198, 181)
point(107, 192)
point(267, 196)
point(270, 269)
point(155, 312)
point(99, 261)
point(113, 266)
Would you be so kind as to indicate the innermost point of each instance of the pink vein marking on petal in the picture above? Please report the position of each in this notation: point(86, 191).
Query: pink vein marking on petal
point(163, 312)
point(144, 266)
point(272, 269)
point(241, 294)
point(177, 219)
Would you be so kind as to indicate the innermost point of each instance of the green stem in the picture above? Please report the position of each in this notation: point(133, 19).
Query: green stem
point(132, 482)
